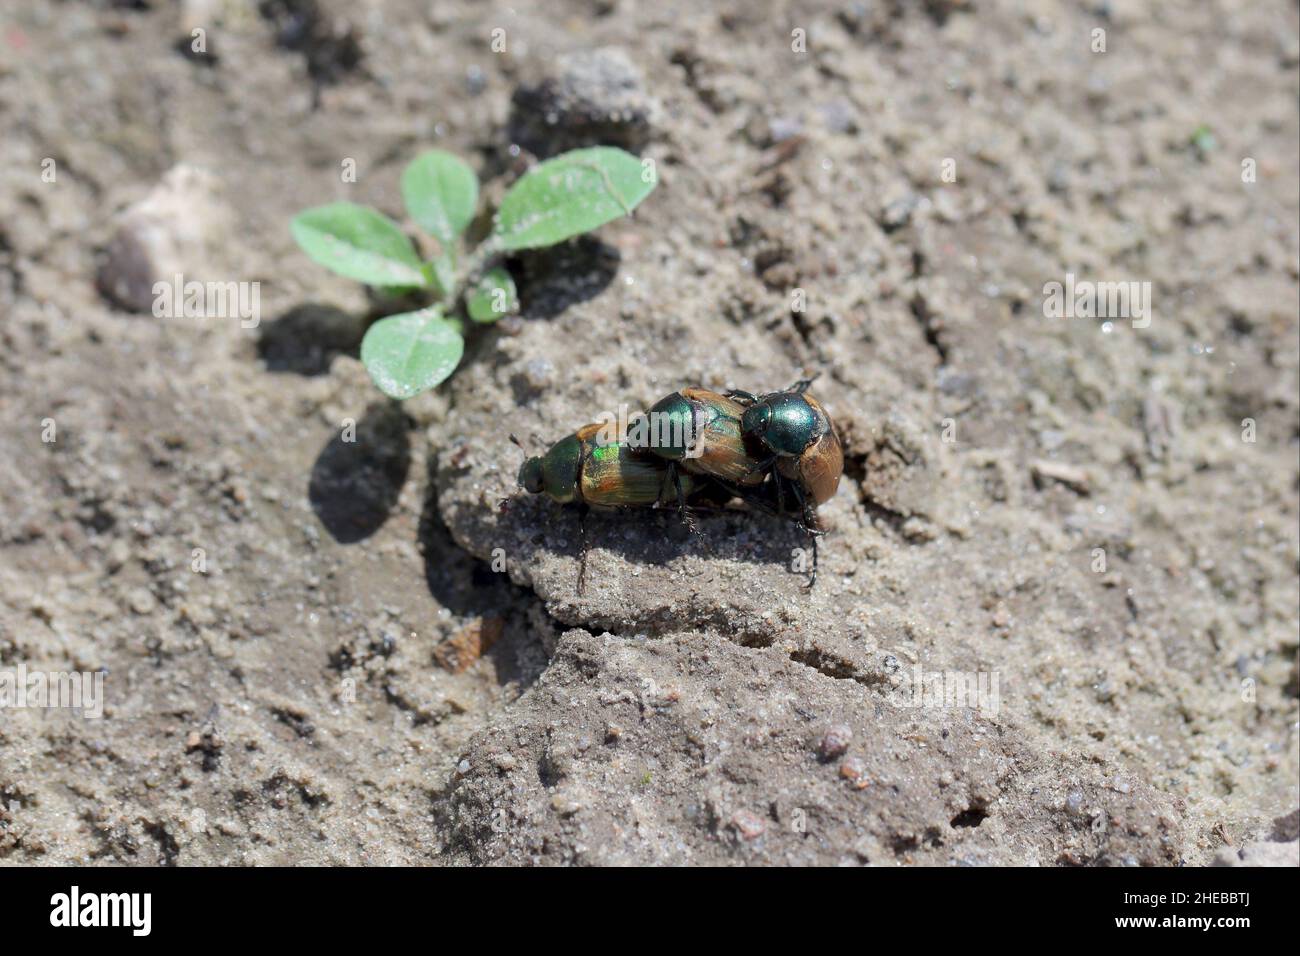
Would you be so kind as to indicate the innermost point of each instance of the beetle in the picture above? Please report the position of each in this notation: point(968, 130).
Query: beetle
point(586, 469)
point(799, 439)
point(763, 449)
point(581, 468)
point(700, 432)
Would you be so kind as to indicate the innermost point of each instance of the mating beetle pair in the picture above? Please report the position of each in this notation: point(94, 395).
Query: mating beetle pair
point(777, 451)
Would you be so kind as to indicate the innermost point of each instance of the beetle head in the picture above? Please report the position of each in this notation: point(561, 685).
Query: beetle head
point(530, 476)
point(784, 422)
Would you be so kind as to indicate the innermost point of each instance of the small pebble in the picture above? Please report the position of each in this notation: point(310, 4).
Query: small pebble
point(141, 601)
point(566, 804)
point(505, 762)
point(749, 825)
point(855, 772)
point(539, 373)
point(835, 742)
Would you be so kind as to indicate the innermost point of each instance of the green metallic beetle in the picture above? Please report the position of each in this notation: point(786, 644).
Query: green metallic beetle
point(774, 450)
point(777, 451)
point(585, 469)
point(705, 437)
point(580, 468)
point(799, 439)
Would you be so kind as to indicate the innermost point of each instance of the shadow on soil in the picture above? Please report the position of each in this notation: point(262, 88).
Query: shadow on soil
point(359, 474)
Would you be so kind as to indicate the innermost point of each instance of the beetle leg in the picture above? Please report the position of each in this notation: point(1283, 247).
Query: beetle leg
point(742, 396)
point(752, 496)
point(676, 479)
point(812, 578)
point(674, 476)
point(682, 510)
point(803, 384)
point(808, 523)
point(583, 544)
point(762, 466)
point(808, 520)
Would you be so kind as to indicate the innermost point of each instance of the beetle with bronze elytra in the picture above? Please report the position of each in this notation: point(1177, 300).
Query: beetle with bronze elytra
point(774, 451)
point(586, 470)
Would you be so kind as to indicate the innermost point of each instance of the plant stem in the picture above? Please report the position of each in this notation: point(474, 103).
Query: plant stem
point(485, 255)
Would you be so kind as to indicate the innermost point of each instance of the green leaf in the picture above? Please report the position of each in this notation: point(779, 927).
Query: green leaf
point(492, 297)
point(571, 194)
point(360, 243)
point(457, 324)
point(441, 194)
point(410, 353)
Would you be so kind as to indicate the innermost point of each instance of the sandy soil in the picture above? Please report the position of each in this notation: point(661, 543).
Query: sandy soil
point(348, 680)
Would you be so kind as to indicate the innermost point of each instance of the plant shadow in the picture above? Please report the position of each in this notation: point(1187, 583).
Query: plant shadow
point(553, 279)
point(306, 338)
point(358, 475)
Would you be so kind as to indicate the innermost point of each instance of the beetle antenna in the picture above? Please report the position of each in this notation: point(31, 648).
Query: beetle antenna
point(802, 385)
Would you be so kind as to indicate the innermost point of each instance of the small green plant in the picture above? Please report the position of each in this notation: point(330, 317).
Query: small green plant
point(561, 198)
point(1202, 140)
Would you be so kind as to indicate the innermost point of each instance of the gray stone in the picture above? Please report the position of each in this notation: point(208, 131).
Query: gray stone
point(589, 98)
